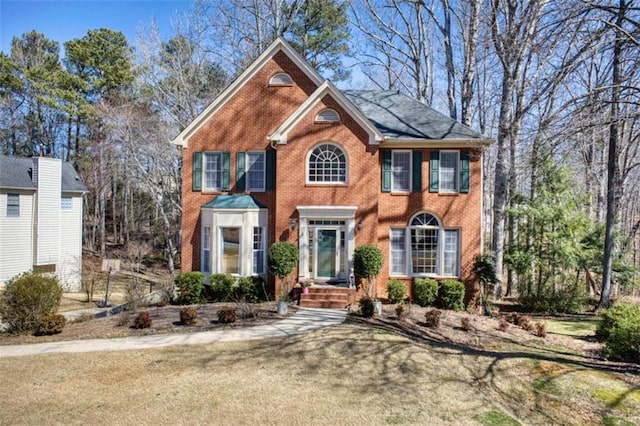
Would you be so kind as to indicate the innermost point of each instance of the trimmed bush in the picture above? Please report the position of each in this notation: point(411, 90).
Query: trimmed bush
point(432, 318)
point(396, 291)
point(143, 320)
point(451, 295)
point(425, 291)
point(366, 307)
point(189, 286)
point(503, 325)
point(51, 324)
point(249, 289)
point(465, 324)
point(227, 315)
point(540, 329)
point(367, 263)
point(27, 299)
point(620, 329)
point(222, 287)
point(282, 258)
point(188, 315)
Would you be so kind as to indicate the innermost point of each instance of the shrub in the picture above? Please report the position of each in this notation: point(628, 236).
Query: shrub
point(227, 315)
point(503, 325)
point(524, 322)
point(425, 291)
point(51, 324)
point(188, 315)
point(451, 295)
point(282, 258)
point(249, 289)
point(465, 323)
point(366, 307)
point(27, 299)
point(620, 329)
point(432, 318)
point(189, 286)
point(143, 320)
point(367, 263)
point(221, 286)
point(402, 311)
point(566, 301)
point(396, 291)
point(540, 329)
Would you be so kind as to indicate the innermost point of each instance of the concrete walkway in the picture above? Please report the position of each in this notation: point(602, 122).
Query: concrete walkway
point(304, 320)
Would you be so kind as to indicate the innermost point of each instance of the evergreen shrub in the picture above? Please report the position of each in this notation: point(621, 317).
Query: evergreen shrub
point(189, 286)
point(396, 291)
point(425, 291)
point(451, 295)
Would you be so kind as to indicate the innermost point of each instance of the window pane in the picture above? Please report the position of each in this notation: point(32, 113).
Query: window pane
point(212, 170)
point(13, 205)
point(398, 253)
point(327, 163)
point(258, 251)
point(448, 171)
point(206, 249)
point(400, 169)
point(255, 171)
point(231, 250)
point(424, 249)
point(66, 203)
point(451, 252)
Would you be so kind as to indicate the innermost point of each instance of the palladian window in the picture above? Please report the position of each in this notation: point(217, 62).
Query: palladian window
point(327, 164)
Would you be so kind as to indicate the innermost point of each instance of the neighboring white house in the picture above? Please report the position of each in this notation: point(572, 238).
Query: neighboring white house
point(41, 219)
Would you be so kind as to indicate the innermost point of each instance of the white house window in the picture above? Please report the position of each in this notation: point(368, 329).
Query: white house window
point(206, 249)
point(328, 115)
point(427, 247)
point(66, 203)
point(398, 252)
point(212, 171)
point(401, 171)
point(255, 171)
point(327, 164)
point(13, 205)
point(448, 171)
point(230, 250)
point(281, 79)
point(258, 250)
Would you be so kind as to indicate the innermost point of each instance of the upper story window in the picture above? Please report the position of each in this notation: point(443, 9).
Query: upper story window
point(401, 171)
point(327, 164)
point(328, 115)
point(281, 79)
point(13, 205)
point(212, 171)
point(255, 171)
point(66, 203)
point(449, 171)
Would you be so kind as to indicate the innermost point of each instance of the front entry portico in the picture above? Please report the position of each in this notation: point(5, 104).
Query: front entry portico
point(326, 242)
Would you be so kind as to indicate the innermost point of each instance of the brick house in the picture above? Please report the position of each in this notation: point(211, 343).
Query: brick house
point(283, 155)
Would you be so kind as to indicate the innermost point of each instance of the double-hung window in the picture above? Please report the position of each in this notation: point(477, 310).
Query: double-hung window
point(258, 250)
point(255, 171)
point(13, 205)
point(212, 171)
point(401, 171)
point(66, 203)
point(206, 249)
point(449, 171)
point(424, 248)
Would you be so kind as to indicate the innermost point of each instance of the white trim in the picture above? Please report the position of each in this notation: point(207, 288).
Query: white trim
point(325, 183)
point(327, 88)
point(435, 143)
point(264, 171)
point(278, 45)
point(456, 173)
point(409, 171)
point(287, 83)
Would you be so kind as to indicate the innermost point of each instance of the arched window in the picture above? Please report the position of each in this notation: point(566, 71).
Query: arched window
point(328, 115)
point(281, 79)
point(432, 249)
point(327, 164)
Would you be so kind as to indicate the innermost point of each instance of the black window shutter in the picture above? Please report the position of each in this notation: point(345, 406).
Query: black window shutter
point(386, 171)
point(270, 184)
point(240, 171)
point(226, 171)
point(197, 171)
point(464, 171)
point(417, 171)
point(434, 160)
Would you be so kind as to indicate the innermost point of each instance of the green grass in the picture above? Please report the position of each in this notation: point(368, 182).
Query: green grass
point(496, 418)
point(616, 421)
point(573, 327)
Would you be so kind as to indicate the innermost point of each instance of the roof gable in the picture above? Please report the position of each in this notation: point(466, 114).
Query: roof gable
point(327, 88)
point(279, 45)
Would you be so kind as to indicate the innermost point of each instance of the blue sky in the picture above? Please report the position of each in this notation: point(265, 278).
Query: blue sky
point(64, 20)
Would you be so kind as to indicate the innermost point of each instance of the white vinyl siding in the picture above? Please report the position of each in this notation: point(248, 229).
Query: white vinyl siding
point(16, 237)
point(48, 211)
point(401, 171)
point(255, 171)
point(449, 171)
point(70, 266)
point(212, 171)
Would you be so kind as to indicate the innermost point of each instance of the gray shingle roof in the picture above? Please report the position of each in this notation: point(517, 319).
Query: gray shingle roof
point(15, 173)
point(398, 116)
